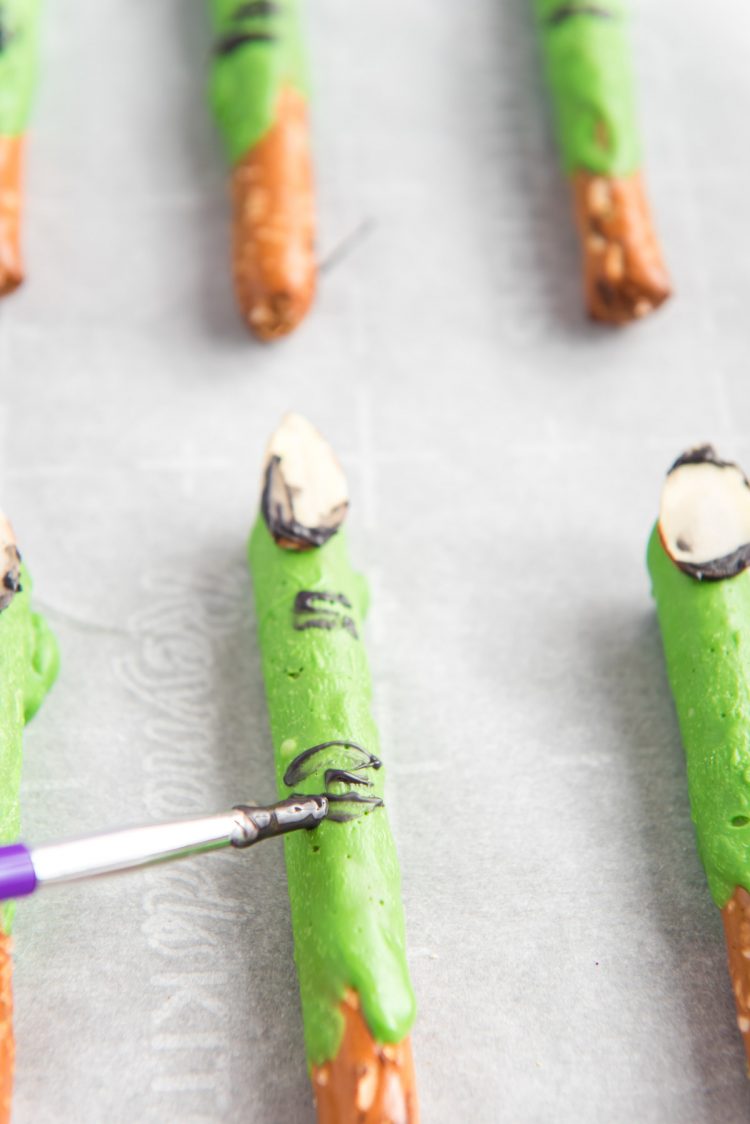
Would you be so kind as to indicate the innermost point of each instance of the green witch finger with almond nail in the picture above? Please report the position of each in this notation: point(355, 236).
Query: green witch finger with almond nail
point(588, 64)
point(259, 97)
point(698, 558)
point(19, 33)
point(28, 666)
point(344, 883)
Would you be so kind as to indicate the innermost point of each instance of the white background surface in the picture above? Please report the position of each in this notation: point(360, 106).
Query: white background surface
point(505, 461)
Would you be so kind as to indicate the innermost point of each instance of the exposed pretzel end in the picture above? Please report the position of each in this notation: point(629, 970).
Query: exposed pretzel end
point(11, 266)
point(10, 564)
point(7, 1040)
point(277, 314)
point(736, 918)
point(274, 224)
point(624, 274)
point(368, 1082)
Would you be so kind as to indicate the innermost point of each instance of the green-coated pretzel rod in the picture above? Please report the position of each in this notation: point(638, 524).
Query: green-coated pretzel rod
point(698, 557)
point(588, 64)
point(344, 882)
point(28, 666)
point(19, 34)
point(259, 93)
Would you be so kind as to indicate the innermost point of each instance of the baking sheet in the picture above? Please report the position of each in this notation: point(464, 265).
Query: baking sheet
point(505, 460)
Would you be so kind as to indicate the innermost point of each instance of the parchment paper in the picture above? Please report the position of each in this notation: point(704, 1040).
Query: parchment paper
point(505, 461)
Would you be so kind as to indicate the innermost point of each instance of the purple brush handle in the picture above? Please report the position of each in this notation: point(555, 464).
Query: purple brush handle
point(17, 874)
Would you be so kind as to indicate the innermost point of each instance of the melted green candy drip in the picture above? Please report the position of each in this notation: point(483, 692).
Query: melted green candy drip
point(258, 50)
point(19, 35)
point(705, 629)
point(344, 882)
point(29, 662)
point(587, 59)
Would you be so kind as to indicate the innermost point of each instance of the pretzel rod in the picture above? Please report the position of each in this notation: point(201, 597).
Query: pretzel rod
point(19, 32)
point(344, 884)
point(28, 666)
point(259, 97)
point(697, 557)
point(587, 59)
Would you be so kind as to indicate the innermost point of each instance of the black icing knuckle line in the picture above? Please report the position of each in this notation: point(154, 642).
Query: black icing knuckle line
point(568, 11)
point(255, 9)
point(228, 44)
point(314, 601)
point(305, 599)
point(305, 765)
point(344, 776)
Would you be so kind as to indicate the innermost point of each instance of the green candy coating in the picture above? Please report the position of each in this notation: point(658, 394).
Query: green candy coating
point(29, 662)
point(705, 627)
point(344, 881)
point(258, 51)
point(588, 65)
point(19, 42)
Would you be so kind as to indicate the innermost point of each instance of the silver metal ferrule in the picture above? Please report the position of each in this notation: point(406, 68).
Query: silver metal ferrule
point(292, 814)
point(133, 847)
